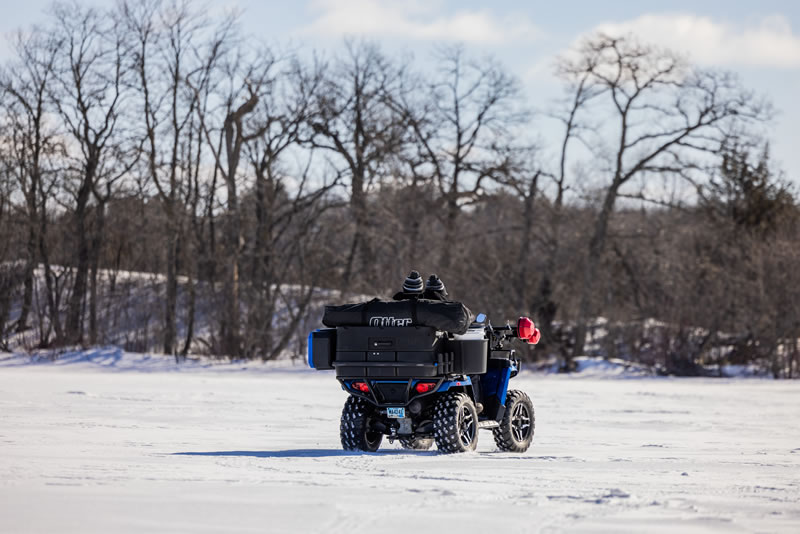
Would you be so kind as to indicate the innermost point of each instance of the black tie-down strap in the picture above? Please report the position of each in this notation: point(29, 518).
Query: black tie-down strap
point(451, 317)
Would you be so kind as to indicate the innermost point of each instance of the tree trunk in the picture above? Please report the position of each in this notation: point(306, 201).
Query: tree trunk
point(97, 243)
point(189, 316)
point(30, 264)
point(6, 284)
point(52, 300)
point(596, 247)
point(231, 342)
point(450, 229)
point(74, 322)
point(543, 305)
point(259, 319)
point(172, 287)
point(360, 238)
point(523, 259)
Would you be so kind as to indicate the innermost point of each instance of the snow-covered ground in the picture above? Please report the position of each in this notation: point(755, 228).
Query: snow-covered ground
point(113, 442)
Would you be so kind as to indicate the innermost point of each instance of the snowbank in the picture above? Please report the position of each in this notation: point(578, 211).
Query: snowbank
point(115, 359)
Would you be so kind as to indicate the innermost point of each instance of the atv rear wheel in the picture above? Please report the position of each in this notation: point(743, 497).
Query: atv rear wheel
point(354, 429)
point(455, 423)
point(417, 444)
point(515, 432)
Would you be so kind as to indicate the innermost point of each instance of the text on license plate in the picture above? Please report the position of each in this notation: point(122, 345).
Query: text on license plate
point(396, 413)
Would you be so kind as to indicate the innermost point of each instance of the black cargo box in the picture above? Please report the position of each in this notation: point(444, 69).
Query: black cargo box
point(470, 356)
point(405, 352)
point(388, 338)
point(401, 351)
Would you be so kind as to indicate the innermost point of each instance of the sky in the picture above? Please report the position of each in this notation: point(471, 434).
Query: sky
point(758, 40)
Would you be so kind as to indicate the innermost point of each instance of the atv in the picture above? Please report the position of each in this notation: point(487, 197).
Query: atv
point(419, 384)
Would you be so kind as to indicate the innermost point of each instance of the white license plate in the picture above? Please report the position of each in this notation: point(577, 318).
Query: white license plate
point(396, 413)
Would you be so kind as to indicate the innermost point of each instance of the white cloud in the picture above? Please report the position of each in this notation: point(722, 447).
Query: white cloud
point(768, 43)
point(416, 20)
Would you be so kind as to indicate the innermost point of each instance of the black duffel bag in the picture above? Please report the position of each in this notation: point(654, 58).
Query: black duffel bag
point(451, 317)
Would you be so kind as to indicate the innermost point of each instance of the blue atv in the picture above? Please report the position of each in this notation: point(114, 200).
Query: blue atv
point(419, 384)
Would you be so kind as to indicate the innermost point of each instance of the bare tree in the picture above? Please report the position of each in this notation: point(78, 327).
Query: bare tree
point(464, 132)
point(662, 111)
point(579, 95)
point(280, 210)
point(352, 120)
point(7, 268)
point(201, 195)
point(165, 41)
point(244, 78)
point(200, 199)
point(90, 68)
point(32, 141)
point(150, 139)
point(523, 178)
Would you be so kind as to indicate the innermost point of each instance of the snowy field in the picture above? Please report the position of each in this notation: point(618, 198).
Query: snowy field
point(125, 443)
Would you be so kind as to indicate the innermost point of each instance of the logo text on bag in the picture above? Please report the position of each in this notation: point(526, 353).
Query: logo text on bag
point(389, 321)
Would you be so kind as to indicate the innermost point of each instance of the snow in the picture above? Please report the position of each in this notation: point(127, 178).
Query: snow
point(107, 441)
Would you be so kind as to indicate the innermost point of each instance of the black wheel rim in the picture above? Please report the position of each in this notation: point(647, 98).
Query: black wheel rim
point(466, 426)
point(520, 422)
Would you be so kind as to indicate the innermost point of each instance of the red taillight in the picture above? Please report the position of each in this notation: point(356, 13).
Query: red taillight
point(424, 387)
point(525, 328)
point(360, 386)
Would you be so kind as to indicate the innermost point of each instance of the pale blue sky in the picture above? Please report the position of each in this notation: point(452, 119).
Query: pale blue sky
point(759, 40)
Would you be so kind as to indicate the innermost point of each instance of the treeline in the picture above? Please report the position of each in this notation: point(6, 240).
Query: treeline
point(167, 183)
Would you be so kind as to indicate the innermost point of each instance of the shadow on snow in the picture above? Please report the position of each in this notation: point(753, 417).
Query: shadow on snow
point(304, 453)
